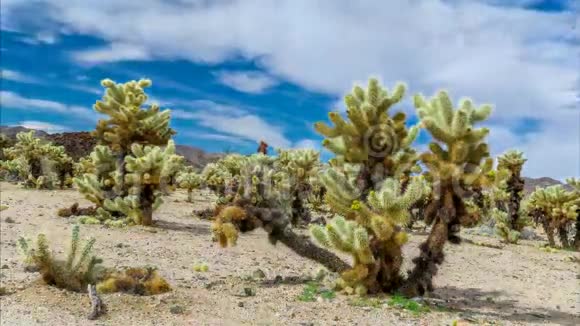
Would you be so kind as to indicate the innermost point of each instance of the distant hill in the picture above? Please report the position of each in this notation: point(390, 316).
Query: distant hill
point(530, 184)
point(79, 144)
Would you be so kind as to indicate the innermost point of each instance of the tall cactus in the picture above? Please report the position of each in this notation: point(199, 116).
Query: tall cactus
point(513, 161)
point(457, 163)
point(128, 170)
point(129, 122)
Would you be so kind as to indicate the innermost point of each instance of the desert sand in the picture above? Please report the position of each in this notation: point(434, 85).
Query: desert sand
point(516, 285)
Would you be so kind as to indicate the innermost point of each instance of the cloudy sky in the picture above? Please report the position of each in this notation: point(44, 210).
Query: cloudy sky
point(237, 71)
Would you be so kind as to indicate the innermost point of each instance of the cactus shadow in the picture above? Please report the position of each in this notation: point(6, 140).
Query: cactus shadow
point(195, 229)
point(288, 280)
point(486, 304)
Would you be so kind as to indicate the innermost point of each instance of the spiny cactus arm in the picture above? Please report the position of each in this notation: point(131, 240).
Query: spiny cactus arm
point(85, 256)
point(345, 236)
point(341, 193)
point(243, 217)
point(128, 206)
point(393, 205)
point(74, 241)
point(91, 188)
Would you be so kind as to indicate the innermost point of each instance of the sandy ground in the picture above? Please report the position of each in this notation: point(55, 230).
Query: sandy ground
point(516, 285)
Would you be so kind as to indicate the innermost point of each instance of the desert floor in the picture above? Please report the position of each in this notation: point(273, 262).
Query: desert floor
point(517, 285)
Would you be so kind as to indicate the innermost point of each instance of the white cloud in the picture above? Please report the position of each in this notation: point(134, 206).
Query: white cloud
point(15, 101)
point(40, 38)
point(522, 61)
point(24, 78)
point(112, 53)
point(86, 89)
point(246, 81)
point(217, 137)
point(308, 144)
point(18, 77)
point(45, 126)
point(233, 122)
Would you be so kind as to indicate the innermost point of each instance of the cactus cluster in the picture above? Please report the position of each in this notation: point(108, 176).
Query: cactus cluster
point(288, 175)
point(38, 164)
point(128, 172)
point(303, 166)
point(556, 209)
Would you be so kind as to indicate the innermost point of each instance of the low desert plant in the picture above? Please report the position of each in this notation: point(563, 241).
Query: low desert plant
point(136, 281)
point(79, 269)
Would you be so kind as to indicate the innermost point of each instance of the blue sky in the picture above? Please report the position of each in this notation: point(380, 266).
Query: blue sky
point(234, 72)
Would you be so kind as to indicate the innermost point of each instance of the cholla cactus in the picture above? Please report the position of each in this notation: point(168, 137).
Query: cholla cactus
point(371, 138)
point(45, 163)
point(129, 171)
point(14, 170)
point(513, 162)
point(63, 165)
point(503, 226)
point(149, 169)
point(129, 122)
point(31, 150)
point(218, 176)
point(98, 183)
point(5, 142)
point(74, 273)
point(189, 180)
point(302, 165)
point(372, 233)
point(175, 164)
point(83, 166)
point(575, 184)
point(457, 163)
point(556, 209)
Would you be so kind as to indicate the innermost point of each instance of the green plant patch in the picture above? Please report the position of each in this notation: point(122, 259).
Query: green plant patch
point(312, 291)
point(401, 302)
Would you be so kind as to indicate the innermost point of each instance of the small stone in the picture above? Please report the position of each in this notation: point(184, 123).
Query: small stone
point(258, 273)
point(5, 266)
point(176, 309)
point(240, 304)
point(9, 220)
point(249, 292)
